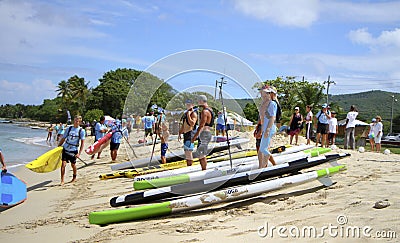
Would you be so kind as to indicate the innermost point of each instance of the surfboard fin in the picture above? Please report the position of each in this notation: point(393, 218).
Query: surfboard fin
point(326, 181)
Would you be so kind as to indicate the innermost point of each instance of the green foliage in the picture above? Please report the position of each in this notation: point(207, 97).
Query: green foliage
point(292, 93)
point(74, 94)
point(114, 87)
point(251, 112)
point(146, 91)
point(92, 115)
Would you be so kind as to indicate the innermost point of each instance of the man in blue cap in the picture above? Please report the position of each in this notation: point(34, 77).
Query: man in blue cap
point(187, 128)
point(322, 122)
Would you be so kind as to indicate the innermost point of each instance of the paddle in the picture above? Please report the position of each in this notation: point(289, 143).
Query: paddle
point(155, 140)
point(225, 118)
point(130, 146)
point(76, 157)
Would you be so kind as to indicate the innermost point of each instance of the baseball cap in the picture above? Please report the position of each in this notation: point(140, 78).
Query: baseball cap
point(267, 88)
point(325, 105)
point(189, 101)
point(373, 120)
point(333, 112)
point(297, 108)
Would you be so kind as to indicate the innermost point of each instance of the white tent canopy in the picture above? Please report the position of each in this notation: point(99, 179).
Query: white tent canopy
point(358, 123)
point(240, 120)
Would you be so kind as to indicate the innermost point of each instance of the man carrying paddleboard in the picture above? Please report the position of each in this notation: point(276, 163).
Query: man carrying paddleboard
point(204, 130)
point(187, 129)
point(100, 130)
point(3, 163)
point(73, 136)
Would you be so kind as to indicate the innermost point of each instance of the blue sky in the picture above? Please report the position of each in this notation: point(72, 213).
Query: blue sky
point(357, 43)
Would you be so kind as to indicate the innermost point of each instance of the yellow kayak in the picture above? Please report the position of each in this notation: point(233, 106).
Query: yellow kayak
point(47, 162)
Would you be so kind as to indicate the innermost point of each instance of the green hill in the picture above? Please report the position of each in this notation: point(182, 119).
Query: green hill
point(369, 104)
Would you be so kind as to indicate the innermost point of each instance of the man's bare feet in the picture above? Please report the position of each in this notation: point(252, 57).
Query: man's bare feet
point(73, 179)
point(62, 183)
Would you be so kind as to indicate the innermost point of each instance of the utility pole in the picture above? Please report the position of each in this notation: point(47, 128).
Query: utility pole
point(391, 118)
point(329, 82)
point(215, 90)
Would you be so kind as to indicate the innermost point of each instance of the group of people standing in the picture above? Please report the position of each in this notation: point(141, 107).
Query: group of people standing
point(58, 130)
point(326, 126)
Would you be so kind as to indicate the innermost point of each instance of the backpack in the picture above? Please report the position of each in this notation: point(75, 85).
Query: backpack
point(278, 112)
point(184, 118)
point(320, 114)
point(68, 131)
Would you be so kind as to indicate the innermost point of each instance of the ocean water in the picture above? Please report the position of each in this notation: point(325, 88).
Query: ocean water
point(20, 145)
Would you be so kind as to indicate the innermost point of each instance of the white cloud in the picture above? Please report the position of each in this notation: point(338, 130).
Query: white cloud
point(38, 32)
point(361, 36)
point(299, 13)
point(33, 30)
point(304, 13)
point(26, 93)
point(387, 38)
point(352, 73)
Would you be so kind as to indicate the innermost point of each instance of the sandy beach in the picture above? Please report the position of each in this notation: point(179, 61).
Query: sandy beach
point(54, 213)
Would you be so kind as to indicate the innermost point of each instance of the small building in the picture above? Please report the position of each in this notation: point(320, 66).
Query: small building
point(361, 128)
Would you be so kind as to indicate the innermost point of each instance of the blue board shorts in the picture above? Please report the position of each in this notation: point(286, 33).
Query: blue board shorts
point(188, 145)
point(220, 127)
point(164, 147)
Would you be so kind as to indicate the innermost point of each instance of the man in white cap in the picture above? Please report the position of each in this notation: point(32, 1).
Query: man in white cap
point(322, 122)
point(204, 130)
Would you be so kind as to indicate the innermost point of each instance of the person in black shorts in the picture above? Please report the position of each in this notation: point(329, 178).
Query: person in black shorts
point(74, 138)
point(321, 119)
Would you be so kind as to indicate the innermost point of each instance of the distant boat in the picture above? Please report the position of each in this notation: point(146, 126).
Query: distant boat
point(35, 127)
point(5, 121)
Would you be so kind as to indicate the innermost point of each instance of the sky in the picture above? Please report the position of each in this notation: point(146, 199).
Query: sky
point(356, 43)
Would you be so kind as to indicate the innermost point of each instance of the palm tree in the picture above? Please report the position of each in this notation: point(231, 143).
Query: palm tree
point(64, 92)
point(79, 91)
point(309, 94)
